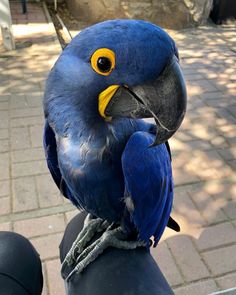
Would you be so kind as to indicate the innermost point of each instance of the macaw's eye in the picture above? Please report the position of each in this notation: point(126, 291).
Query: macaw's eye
point(104, 64)
point(103, 61)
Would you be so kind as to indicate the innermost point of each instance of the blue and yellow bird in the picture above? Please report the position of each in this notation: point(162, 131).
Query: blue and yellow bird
point(100, 152)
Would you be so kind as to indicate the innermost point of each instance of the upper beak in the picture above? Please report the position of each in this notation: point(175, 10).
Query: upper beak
point(164, 99)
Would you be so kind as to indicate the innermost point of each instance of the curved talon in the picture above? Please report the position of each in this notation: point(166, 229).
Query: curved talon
point(91, 226)
point(110, 238)
point(86, 251)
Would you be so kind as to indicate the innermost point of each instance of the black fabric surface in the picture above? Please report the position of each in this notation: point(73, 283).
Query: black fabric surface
point(20, 266)
point(115, 272)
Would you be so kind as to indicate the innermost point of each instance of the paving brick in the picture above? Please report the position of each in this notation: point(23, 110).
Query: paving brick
point(22, 87)
point(71, 214)
point(27, 155)
point(4, 134)
point(217, 235)
point(187, 258)
point(185, 207)
point(5, 226)
point(219, 142)
point(20, 138)
point(49, 194)
point(210, 209)
point(40, 226)
point(4, 119)
point(55, 281)
point(28, 121)
point(227, 282)
point(45, 280)
point(5, 207)
point(4, 145)
point(4, 97)
point(182, 136)
point(26, 112)
point(36, 135)
point(4, 166)
point(29, 168)
point(199, 144)
point(223, 113)
point(34, 99)
point(4, 188)
point(227, 130)
point(208, 165)
point(193, 77)
point(230, 210)
point(200, 288)
point(18, 101)
point(232, 164)
point(48, 246)
point(222, 191)
point(24, 194)
point(181, 176)
point(3, 105)
point(4, 90)
point(228, 154)
point(222, 260)
point(14, 73)
point(68, 202)
point(167, 264)
point(231, 141)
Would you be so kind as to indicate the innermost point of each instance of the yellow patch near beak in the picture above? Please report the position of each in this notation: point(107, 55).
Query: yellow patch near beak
point(105, 97)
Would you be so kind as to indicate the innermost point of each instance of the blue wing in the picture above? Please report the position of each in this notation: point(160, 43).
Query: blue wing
point(50, 148)
point(149, 185)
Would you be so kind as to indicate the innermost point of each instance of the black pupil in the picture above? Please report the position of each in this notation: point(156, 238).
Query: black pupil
point(104, 64)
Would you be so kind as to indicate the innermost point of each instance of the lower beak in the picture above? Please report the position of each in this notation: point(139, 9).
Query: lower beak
point(164, 99)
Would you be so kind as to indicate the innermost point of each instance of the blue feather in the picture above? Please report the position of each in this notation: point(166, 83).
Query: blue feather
point(50, 148)
point(148, 181)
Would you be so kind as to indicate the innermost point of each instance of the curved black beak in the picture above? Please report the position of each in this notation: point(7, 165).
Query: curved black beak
point(164, 99)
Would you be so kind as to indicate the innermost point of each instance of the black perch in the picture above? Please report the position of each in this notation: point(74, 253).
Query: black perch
point(20, 266)
point(116, 271)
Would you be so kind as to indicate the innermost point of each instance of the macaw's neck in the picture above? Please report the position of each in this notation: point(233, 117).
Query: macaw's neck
point(75, 116)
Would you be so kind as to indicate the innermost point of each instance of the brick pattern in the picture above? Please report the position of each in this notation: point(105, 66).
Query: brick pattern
point(36, 227)
point(188, 259)
point(47, 246)
point(200, 288)
point(216, 235)
point(227, 282)
point(222, 260)
point(200, 259)
point(25, 184)
point(167, 264)
point(53, 276)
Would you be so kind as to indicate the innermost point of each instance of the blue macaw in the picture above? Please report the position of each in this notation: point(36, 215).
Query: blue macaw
point(100, 152)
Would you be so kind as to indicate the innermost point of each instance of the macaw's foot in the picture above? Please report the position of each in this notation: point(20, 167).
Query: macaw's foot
point(91, 227)
point(110, 238)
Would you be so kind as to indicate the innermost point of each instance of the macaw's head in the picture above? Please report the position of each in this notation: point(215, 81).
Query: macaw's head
point(120, 68)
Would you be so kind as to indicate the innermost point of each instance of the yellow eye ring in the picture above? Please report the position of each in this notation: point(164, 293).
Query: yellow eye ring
point(103, 61)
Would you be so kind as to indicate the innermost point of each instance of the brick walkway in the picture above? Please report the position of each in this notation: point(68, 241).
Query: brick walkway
point(199, 260)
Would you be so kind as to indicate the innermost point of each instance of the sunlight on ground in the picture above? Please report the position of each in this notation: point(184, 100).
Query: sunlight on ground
point(34, 30)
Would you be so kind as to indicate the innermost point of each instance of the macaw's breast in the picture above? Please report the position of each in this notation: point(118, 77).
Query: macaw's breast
point(91, 166)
